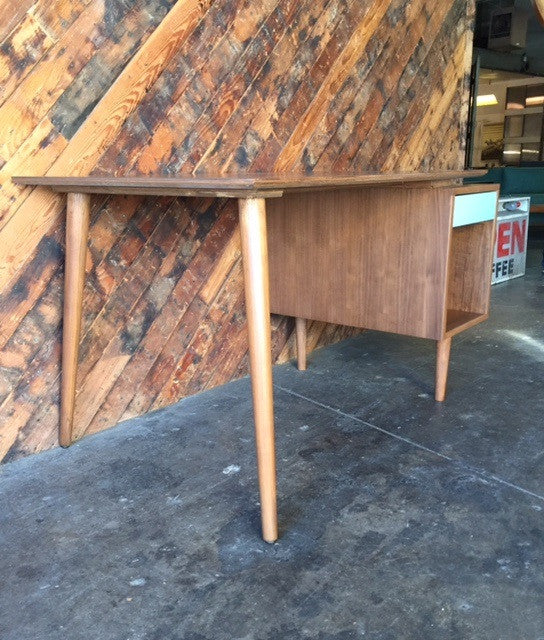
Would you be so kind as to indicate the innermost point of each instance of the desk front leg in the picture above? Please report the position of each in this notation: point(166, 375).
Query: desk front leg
point(255, 260)
point(77, 227)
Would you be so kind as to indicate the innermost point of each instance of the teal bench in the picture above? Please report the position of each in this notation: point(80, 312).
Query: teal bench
point(519, 181)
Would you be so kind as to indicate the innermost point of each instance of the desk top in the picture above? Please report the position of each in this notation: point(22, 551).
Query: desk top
point(236, 186)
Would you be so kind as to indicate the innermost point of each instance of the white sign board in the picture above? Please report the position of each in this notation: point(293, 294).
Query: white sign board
point(511, 241)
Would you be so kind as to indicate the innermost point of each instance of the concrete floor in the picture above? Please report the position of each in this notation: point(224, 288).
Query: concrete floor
point(401, 517)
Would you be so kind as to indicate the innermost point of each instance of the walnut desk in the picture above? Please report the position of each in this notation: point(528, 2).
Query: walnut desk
point(406, 253)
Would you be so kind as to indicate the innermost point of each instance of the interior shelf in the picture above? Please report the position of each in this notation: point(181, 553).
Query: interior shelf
point(457, 321)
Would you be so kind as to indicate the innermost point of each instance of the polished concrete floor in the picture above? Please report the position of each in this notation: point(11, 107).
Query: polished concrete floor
point(400, 517)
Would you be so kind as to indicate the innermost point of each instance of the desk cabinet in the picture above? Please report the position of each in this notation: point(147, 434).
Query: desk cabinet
point(408, 260)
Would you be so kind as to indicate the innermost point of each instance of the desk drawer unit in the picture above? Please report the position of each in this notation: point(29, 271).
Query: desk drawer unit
point(472, 208)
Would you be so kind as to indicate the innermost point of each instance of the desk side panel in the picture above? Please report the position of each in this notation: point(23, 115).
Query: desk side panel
point(373, 258)
point(471, 259)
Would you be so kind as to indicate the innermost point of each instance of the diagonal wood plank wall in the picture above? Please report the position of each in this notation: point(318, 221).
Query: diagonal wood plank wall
point(159, 86)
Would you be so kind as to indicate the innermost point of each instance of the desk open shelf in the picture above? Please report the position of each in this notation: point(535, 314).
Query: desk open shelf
point(468, 288)
point(457, 321)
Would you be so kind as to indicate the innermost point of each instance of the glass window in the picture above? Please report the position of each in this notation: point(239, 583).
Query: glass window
point(515, 97)
point(513, 126)
point(532, 126)
point(530, 152)
point(511, 153)
point(535, 95)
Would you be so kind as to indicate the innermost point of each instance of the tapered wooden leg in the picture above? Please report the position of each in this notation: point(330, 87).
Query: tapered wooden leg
point(301, 343)
point(77, 228)
point(442, 363)
point(255, 259)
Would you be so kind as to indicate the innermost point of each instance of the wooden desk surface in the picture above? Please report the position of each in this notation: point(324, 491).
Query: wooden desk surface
point(235, 186)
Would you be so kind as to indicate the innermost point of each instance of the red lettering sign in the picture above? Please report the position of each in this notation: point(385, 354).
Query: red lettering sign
point(519, 233)
point(503, 239)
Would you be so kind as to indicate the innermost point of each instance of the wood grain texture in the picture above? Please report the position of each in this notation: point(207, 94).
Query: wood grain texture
point(357, 244)
point(272, 185)
point(161, 87)
point(471, 254)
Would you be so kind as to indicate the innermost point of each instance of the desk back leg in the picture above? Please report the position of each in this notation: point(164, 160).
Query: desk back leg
point(442, 364)
point(77, 228)
point(255, 260)
point(301, 343)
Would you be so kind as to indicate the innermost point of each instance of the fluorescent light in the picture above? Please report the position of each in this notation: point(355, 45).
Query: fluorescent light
point(487, 100)
point(534, 101)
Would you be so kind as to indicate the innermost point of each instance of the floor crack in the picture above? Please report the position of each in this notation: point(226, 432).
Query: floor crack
point(461, 464)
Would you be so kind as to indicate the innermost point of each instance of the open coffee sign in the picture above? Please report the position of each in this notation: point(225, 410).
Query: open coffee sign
point(511, 241)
